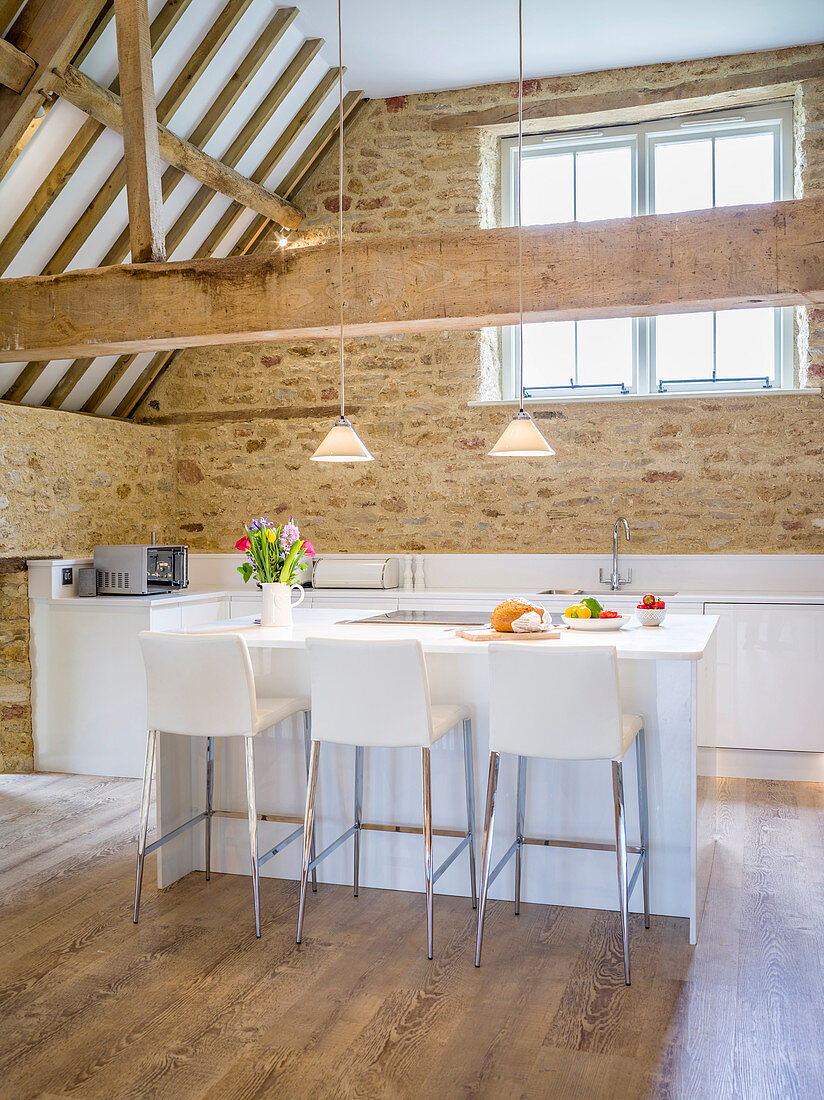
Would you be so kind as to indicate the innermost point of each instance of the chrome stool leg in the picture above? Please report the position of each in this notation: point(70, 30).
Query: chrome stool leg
point(427, 845)
point(643, 815)
point(358, 813)
point(469, 771)
point(308, 831)
point(486, 859)
point(519, 829)
point(251, 803)
point(621, 853)
point(307, 740)
point(143, 829)
point(210, 786)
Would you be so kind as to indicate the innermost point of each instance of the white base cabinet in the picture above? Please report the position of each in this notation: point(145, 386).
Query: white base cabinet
point(770, 688)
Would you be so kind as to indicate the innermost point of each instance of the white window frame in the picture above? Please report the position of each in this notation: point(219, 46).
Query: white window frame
point(775, 117)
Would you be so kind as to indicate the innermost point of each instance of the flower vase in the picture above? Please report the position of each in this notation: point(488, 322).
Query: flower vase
point(277, 603)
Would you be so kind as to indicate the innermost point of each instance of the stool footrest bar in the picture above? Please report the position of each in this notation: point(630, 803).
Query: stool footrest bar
point(280, 846)
point(175, 832)
point(335, 844)
point(502, 862)
point(289, 819)
point(450, 859)
point(589, 845)
point(638, 866)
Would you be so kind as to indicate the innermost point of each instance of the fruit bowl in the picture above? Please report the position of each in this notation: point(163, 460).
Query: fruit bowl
point(597, 624)
point(651, 616)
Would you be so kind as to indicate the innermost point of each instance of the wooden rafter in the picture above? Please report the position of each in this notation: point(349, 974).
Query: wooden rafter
point(727, 258)
point(259, 230)
point(185, 82)
point(91, 97)
point(140, 131)
point(227, 97)
point(16, 68)
point(84, 140)
point(50, 34)
point(161, 361)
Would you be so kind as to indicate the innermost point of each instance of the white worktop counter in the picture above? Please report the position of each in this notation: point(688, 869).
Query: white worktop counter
point(681, 638)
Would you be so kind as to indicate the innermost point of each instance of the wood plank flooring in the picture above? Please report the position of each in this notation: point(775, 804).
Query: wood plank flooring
point(189, 1004)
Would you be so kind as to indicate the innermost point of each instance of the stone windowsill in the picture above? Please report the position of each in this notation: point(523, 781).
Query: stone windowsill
point(572, 399)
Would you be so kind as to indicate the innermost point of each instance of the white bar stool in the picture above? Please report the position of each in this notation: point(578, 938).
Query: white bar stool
point(376, 694)
point(203, 686)
point(562, 704)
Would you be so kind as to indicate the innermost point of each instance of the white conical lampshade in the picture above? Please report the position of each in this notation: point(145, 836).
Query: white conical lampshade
point(521, 439)
point(342, 445)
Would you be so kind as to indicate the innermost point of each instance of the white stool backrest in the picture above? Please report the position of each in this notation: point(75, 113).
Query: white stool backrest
point(557, 703)
point(369, 693)
point(199, 684)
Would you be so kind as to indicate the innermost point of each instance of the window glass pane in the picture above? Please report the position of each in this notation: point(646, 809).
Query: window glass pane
point(683, 176)
point(745, 343)
point(549, 354)
point(605, 351)
point(547, 189)
point(744, 169)
point(604, 182)
point(683, 346)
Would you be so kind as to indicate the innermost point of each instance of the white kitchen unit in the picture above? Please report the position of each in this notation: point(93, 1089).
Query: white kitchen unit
point(88, 684)
point(667, 676)
point(770, 682)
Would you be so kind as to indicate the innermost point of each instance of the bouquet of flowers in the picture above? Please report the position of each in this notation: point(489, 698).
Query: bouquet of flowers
point(276, 552)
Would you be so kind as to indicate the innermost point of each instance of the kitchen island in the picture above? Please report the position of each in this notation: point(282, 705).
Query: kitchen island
point(667, 675)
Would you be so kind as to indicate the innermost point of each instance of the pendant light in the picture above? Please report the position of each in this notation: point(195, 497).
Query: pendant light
point(341, 443)
point(521, 438)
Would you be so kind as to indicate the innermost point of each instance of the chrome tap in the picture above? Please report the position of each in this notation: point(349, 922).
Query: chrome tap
point(615, 580)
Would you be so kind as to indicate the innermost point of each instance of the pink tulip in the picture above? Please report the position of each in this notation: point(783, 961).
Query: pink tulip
point(243, 544)
point(308, 549)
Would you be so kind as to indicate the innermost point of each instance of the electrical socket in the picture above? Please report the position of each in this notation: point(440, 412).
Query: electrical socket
point(68, 575)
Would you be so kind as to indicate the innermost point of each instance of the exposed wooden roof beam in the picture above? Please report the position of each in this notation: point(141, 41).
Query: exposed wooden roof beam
point(284, 143)
point(207, 126)
point(140, 131)
point(160, 362)
point(210, 122)
point(191, 72)
point(730, 257)
point(16, 67)
point(104, 105)
point(259, 229)
point(79, 147)
point(50, 34)
point(640, 103)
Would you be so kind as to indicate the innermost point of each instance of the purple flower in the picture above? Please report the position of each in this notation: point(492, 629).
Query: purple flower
point(289, 535)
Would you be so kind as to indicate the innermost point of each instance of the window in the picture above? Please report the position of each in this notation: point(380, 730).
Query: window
point(657, 168)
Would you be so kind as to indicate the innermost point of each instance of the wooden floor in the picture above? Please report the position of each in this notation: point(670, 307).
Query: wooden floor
point(189, 1004)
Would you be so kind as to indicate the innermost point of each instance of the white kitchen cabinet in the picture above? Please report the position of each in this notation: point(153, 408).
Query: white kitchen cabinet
point(201, 612)
point(770, 691)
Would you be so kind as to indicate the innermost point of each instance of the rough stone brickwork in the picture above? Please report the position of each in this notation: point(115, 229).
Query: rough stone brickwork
point(66, 483)
point(16, 749)
point(693, 474)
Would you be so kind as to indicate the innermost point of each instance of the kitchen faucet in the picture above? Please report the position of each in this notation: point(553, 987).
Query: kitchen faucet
point(615, 580)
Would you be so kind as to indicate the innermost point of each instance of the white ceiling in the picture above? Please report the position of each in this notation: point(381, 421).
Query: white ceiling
point(395, 47)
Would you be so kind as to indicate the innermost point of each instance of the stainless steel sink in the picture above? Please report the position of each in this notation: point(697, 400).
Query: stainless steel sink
point(600, 593)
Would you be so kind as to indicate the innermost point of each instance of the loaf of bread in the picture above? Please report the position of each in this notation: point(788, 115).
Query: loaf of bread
point(507, 612)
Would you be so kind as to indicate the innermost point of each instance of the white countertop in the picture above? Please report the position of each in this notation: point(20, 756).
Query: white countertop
point(682, 638)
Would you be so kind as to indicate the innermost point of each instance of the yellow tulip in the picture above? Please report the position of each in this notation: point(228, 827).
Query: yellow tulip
point(270, 534)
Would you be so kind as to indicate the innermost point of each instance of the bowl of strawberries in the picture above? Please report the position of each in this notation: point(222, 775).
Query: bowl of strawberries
point(651, 611)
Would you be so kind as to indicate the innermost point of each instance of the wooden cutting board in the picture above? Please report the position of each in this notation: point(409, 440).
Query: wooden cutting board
point(487, 634)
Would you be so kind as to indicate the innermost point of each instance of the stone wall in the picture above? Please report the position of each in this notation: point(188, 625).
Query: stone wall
point(693, 474)
point(66, 483)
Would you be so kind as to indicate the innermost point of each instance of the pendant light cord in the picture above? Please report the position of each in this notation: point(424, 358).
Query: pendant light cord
point(340, 205)
point(520, 215)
